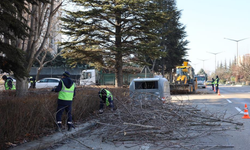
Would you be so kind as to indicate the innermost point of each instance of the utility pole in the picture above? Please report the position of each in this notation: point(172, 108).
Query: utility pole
point(237, 46)
point(195, 66)
point(215, 60)
point(237, 61)
point(203, 62)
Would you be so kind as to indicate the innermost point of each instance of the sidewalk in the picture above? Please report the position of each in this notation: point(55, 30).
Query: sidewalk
point(50, 140)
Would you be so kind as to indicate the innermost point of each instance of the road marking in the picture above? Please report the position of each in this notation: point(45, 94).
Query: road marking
point(229, 101)
point(222, 95)
point(239, 110)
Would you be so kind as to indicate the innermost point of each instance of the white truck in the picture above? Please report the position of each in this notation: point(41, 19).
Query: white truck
point(150, 88)
point(89, 77)
point(95, 77)
point(201, 81)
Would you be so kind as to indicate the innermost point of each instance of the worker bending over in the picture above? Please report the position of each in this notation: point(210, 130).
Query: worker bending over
point(8, 83)
point(106, 97)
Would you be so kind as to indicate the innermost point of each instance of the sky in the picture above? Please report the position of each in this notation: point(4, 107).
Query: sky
point(208, 23)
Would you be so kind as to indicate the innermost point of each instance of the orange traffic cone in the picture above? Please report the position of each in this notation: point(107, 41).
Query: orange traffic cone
point(246, 115)
point(218, 91)
point(214, 89)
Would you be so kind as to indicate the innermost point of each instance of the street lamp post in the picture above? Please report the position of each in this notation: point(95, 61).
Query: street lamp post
point(215, 60)
point(236, 79)
point(195, 66)
point(203, 62)
point(237, 46)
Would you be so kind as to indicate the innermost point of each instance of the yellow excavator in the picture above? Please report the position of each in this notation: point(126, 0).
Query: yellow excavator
point(184, 79)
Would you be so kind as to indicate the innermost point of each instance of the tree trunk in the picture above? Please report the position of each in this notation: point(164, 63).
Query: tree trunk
point(21, 86)
point(118, 71)
point(118, 56)
point(38, 72)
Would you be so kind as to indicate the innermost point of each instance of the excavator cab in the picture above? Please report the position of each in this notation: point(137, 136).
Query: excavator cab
point(184, 79)
point(183, 73)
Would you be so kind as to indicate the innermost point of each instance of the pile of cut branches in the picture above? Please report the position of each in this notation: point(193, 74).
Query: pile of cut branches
point(152, 121)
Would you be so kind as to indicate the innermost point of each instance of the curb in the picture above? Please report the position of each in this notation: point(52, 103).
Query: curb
point(50, 140)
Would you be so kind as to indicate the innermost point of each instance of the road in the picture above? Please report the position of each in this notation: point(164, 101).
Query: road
point(233, 99)
point(229, 103)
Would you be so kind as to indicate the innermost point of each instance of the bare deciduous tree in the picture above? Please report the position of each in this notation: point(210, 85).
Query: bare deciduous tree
point(42, 61)
point(40, 23)
point(244, 68)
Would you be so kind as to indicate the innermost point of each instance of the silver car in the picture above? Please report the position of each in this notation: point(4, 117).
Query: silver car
point(47, 83)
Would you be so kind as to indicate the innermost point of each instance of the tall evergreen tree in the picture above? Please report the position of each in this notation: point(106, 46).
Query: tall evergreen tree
point(172, 39)
point(225, 65)
point(12, 27)
point(230, 64)
point(221, 65)
point(106, 33)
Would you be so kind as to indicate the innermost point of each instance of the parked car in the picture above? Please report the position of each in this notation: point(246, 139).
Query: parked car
point(209, 83)
point(14, 80)
point(47, 83)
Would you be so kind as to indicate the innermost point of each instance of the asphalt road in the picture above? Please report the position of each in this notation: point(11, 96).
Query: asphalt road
point(229, 104)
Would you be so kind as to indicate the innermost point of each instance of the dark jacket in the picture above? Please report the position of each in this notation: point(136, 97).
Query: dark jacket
point(67, 82)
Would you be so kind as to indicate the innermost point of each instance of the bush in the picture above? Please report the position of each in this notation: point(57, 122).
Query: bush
point(33, 116)
point(222, 81)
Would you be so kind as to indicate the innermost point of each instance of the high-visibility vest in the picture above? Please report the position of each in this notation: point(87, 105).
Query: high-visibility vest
point(216, 81)
point(31, 81)
point(66, 94)
point(7, 87)
point(109, 95)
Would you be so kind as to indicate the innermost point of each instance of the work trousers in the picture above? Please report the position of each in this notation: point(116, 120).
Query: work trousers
point(33, 85)
point(212, 86)
point(217, 87)
point(61, 106)
point(103, 101)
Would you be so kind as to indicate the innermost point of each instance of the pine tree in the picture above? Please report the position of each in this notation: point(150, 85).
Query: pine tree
point(225, 65)
point(172, 39)
point(221, 65)
point(230, 64)
point(105, 33)
point(12, 27)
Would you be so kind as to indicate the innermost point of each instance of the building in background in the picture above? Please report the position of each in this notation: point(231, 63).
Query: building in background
point(55, 35)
